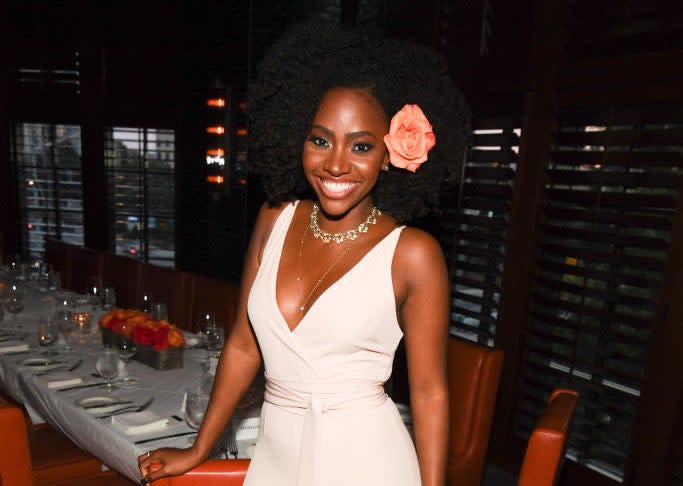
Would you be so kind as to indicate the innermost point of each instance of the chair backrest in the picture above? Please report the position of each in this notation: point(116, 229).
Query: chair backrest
point(225, 472)
point(170, 286)
point(58, 254)
point(86, 263)
point(217, 296)
point(15, 459)
point(473, 378)
point(123, 274)
point(545, 450)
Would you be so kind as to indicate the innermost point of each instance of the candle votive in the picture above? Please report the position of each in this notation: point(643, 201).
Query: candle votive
point(82, 319)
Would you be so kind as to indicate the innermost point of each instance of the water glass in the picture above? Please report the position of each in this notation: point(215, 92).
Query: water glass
point(146, 302)
point(206, 321)
point(107, 367)
point(108, 298)
point(160, 311)
point(68, 328)
point(127, 350)
point(54, 280)
point(215, 339)
point(47, 335)
point(14, 302)
point(94, 292)
point(196, 403)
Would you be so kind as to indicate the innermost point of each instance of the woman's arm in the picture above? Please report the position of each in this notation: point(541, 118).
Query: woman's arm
point(237, 366)
point(421, 285)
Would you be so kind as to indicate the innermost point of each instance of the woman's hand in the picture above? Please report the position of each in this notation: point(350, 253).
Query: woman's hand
point(164, 462)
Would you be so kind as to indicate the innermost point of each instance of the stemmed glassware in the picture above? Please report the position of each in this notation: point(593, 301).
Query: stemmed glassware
point(205, 322)
point(94, 292)
point(196, 403)
point(47, 335)
point(215, 338)
point(127, 350)
point(64, 318)
point(108, 298)
point(14, 301)
point(107, 367)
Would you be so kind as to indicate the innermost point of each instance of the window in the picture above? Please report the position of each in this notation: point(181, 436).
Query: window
point(612, 190)
point(140, 166)
point(480, 214)
point(47, 158)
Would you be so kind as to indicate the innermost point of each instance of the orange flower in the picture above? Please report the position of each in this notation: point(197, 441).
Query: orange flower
point(143, 329)
point(410, 138)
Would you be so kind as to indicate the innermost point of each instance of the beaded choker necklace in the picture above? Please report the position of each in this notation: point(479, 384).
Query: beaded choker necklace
point(342, 236)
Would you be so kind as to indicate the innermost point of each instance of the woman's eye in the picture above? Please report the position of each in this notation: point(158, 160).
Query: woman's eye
point(318, 141)
point(362, 147)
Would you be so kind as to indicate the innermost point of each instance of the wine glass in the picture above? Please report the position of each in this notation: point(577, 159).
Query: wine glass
point(108, 298)
point(67, 326)
point(215, 338)
point(127, 350)
point(160, 311)
point(196, 403)
point(205, 321)
point(107, 367)
point(94, 292)
point(14, 302)
point(146, 302)
point(47, 335)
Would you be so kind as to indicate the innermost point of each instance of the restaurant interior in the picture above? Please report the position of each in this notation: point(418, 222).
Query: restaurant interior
point(124, 154)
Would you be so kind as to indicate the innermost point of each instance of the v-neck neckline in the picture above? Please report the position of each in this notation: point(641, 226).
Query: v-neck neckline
point(313, 305)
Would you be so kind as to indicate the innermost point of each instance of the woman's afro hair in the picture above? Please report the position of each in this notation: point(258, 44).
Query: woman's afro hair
point(314, 56)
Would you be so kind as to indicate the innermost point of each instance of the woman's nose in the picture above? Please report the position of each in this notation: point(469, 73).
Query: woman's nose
point(336, 164)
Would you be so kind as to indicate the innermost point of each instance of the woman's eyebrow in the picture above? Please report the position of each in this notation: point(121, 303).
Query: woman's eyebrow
point(351, 135)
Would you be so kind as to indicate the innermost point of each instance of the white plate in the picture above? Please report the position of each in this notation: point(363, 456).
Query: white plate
point(99, 404)
point(38, 362)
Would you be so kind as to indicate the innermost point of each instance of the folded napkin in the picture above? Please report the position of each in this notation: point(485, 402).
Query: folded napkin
point(13, 347)
point(59, 379)
point(139, 423)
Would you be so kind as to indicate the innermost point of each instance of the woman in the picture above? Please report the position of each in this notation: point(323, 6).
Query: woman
point(343, 139)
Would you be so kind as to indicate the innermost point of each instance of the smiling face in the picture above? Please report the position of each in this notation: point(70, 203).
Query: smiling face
point(344, 152)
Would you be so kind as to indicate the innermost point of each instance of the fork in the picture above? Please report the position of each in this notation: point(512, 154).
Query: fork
point(128, 409)
point(232, 441)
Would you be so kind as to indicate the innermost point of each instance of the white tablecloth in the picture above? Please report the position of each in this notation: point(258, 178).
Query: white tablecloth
point(111, 445)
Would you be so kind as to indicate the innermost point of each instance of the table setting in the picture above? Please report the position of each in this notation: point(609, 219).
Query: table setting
point(103, 397)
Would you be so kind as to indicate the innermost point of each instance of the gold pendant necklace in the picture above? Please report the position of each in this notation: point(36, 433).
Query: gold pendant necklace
point(342, 236)
point(303, 304)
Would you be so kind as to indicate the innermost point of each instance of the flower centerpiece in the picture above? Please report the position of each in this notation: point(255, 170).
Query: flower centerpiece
point(159, 343)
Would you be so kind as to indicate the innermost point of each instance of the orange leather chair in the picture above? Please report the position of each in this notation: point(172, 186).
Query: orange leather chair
point(545, 451)
point(222, 472)
point(15, 461)
point(86, 263)
point(473, 378)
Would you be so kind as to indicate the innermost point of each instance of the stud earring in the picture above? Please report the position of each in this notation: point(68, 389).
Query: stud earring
point(385, 168)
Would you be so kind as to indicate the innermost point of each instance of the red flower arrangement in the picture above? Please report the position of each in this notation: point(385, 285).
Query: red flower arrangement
point(143, 329)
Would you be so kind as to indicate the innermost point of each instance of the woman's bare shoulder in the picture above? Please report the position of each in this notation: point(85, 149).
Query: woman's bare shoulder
point(416, 248)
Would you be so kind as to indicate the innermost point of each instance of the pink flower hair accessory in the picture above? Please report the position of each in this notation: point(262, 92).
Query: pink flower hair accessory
point(410, 138)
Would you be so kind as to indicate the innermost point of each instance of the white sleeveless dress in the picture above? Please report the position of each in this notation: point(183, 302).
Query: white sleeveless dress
point(326, 420)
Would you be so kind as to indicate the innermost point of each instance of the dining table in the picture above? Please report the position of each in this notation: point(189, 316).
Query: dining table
point(66, 391)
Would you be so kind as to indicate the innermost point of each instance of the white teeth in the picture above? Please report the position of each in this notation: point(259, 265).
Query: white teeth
point(337, 186)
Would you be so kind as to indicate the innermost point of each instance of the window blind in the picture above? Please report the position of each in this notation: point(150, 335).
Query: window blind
point(47, 158)
point(612, 190)
point(140, 168)
point(475, 220)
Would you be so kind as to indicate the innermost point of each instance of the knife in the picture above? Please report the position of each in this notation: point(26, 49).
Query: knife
point(76, 387)
point(75, 365)
point(105, 405)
